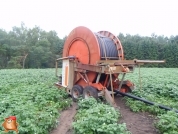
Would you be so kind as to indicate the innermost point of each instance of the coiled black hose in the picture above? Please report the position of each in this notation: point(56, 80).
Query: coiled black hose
point(108, 49)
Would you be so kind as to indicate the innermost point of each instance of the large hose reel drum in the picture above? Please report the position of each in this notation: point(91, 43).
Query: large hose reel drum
point(90, 47)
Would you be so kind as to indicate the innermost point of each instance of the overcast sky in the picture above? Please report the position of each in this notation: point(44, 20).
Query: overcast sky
point(142, 17)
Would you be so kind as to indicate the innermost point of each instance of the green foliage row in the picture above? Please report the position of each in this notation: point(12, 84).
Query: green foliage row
point(168, 123)
point(97, 118)
point(31, 97)
point(158, 85)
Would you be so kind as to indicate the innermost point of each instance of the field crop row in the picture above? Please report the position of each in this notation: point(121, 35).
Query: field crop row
point(94, 117)
point(31, 96)
point(158, 85)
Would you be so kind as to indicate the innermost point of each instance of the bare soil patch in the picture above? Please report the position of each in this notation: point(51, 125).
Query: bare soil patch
point(137, 123)
point(65, 121)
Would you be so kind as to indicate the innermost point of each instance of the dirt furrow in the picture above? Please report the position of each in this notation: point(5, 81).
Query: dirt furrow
point(137, 123)
point(65, 121)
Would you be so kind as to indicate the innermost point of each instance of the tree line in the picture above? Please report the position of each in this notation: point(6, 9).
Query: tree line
point(151, 48)
point(29, 48)
point(24, 47)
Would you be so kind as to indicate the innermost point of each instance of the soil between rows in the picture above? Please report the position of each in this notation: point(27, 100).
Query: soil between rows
point(137, 123)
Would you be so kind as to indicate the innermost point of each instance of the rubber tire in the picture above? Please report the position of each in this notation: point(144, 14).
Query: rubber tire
point(90, 91)
point(79, 90)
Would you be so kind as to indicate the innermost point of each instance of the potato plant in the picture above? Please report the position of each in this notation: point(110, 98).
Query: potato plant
point(168, 123)
point(97, 118)
point(158, 85)
point(31, 96)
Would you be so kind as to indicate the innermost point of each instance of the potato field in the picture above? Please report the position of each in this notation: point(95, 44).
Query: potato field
point(30, 95)
point(159, 85)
